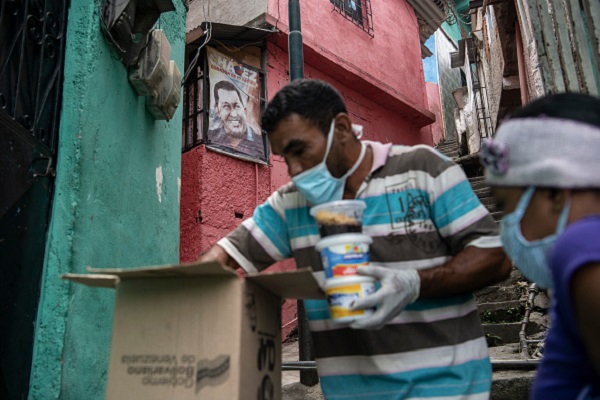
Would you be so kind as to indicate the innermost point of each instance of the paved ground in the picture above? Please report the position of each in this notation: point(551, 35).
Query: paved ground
point(292, 389)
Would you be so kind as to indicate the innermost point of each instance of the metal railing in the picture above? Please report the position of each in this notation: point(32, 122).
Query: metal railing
point(496, 365)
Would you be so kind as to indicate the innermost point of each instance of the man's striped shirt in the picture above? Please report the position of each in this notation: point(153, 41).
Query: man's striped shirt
point(420, 212)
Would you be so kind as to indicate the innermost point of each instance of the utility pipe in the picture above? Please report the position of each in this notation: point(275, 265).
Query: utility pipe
point(308, 377)
point(296, 55)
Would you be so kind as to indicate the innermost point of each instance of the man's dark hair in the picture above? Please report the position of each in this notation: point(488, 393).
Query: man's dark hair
point(572, 106)
point(312, 99)
point(225, 85)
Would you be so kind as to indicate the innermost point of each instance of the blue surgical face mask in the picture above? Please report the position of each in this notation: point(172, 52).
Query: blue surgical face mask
point(317, 184)
point(530, 257)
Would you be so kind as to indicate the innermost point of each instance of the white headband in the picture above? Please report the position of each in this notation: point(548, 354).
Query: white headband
point(543, 152)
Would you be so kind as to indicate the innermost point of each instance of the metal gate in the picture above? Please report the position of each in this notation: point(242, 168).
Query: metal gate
point(32, 47)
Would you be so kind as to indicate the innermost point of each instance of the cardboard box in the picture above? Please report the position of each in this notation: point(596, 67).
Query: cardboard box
point(197, 331)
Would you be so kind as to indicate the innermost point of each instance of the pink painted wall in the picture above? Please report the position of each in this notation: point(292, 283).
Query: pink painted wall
point(215, 187)
point(379, 123)
point(390, 62)
point(434, 103)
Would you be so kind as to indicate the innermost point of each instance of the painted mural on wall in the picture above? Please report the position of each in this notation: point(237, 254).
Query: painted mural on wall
point(234, 117)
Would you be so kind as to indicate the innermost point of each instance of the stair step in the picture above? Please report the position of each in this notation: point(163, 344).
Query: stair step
point(483, 192)
point(447, 148)
point(487, 201)
point(480, 184)
point(508, 332)
point(511, 385)
point(491, 207)
point(480, 178)
point(497, 215)
point(494, 294)
point(498, 305)
point(450, 154)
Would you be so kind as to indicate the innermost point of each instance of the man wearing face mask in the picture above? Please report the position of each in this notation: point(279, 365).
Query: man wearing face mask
point(544, 168)
point(433, 245)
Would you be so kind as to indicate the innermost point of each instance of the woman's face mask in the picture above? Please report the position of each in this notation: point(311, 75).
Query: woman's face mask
point(530, 256)
point(317, 184)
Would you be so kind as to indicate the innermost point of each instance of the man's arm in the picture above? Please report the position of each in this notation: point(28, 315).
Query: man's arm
point(217, 253)
point(471, 269)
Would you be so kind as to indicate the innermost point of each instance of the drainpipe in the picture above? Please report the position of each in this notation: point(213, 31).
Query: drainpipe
point(521, 65)
point(295, 41)
point(296, 60)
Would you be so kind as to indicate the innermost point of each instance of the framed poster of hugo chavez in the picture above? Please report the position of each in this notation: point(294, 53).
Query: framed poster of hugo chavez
point(235, 105)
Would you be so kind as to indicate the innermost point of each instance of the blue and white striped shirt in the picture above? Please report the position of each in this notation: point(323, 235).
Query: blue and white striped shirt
point(420, 212)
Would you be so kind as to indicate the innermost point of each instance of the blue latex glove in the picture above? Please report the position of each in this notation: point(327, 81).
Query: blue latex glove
point(398, 289)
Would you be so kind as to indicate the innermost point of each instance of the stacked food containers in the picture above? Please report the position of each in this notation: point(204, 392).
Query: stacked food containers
point(343, 248)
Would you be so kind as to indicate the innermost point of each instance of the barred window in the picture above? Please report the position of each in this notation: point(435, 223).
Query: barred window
point(193, 108)
point(357, 11)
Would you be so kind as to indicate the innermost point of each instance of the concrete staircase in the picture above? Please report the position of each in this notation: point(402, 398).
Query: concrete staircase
point(449, 148)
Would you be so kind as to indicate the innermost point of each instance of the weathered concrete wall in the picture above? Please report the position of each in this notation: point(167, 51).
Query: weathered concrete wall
point(225, 12)
point(493, 65)
point(449, 80)
point(116, 204)
point(535, 84)
point(433, 98)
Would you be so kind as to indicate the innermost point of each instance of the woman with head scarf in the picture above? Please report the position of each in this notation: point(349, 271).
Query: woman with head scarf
point(544, 169)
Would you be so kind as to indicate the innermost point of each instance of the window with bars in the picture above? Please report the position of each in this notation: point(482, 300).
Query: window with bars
point(357, 11)
point(212, 120)
point(193, 108)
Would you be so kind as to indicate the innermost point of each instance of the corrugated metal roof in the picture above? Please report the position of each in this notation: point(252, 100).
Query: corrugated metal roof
point(430, 15)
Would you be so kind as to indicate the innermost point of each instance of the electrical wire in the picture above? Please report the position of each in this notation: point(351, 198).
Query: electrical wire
point(278, 15)
point(207, 38)
point(235, 49)
point(113, 41)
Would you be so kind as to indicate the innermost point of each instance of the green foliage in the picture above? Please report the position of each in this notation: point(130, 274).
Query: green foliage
point(501, 316)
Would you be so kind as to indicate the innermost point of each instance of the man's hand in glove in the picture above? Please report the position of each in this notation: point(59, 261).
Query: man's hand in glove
point(398, 289)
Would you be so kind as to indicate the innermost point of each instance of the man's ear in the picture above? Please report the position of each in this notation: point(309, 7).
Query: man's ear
point(343, 127)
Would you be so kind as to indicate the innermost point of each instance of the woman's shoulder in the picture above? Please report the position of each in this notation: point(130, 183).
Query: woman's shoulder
point(583, 231)
point(578, 244)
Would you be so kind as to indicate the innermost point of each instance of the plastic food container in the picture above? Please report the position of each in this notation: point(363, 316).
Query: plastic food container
point(341, 292)
point(337, 217)
point(342, 254)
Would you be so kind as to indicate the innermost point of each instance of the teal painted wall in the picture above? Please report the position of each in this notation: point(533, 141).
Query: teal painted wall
point(462, 19)
point(453, 31)
point(110, 207)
